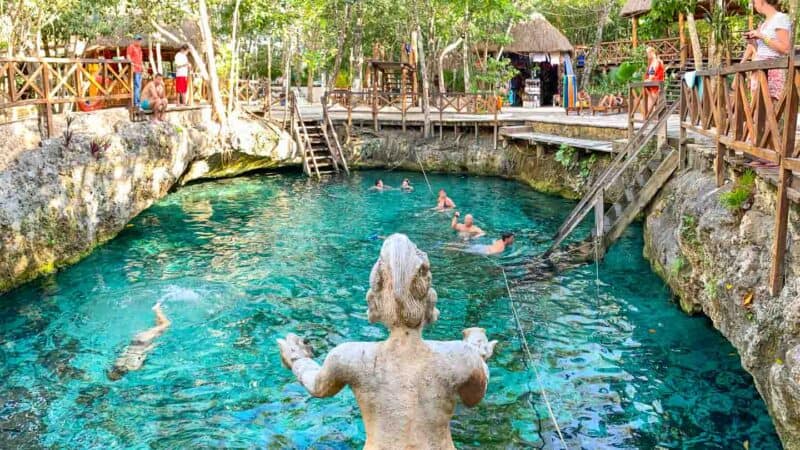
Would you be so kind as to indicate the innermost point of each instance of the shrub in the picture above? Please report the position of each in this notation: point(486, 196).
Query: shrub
point(566, 155)
point(739, 197)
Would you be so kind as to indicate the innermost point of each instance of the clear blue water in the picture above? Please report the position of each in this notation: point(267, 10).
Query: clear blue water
point(240, 262)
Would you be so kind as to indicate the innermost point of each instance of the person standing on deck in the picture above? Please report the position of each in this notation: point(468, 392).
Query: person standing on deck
point(655, 73)
point(772, 39)
point(182, 68)
point(134, 55)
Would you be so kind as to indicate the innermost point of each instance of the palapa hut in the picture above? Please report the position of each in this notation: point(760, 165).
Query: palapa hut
point(537, 50)
point(634, 9)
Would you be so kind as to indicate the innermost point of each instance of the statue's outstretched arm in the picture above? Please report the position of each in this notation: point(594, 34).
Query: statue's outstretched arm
point(319, 381)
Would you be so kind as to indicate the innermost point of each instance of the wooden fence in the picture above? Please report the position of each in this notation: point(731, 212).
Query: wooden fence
point(641, 102)
point(47, 82)
point(757, 123)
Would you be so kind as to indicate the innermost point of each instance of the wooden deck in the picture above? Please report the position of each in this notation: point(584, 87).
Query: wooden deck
point(523, 133)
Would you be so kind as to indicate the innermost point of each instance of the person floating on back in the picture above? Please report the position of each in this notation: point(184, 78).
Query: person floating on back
point(136, 352)
point(468, 229)
point(444, 202)
point(154, 98)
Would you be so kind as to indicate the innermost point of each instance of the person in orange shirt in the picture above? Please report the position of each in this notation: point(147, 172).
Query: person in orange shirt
point(134, 54)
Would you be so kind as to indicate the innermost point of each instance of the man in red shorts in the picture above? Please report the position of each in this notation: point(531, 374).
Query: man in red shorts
point(182, 68)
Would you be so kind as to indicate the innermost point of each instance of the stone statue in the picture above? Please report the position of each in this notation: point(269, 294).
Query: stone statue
point(406, 387)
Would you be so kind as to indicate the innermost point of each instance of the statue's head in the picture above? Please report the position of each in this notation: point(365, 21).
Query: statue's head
point(400, 292)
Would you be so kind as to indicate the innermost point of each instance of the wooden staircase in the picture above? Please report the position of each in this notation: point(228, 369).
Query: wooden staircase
point(318, 142)
point(648, 167)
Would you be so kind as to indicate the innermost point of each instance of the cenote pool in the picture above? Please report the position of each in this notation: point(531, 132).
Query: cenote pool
point(243, 261)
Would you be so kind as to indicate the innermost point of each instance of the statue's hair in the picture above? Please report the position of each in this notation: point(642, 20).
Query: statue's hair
point(400, 292)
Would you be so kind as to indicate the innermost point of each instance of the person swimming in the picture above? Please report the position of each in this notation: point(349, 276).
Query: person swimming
point(379, 186)
point(497, 247)
point(136, 352)
point(467, 229)
point(444, 202)
point(406, 186)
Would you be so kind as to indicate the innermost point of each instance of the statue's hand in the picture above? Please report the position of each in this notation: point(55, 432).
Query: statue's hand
point(292, 349)
point(476, 338)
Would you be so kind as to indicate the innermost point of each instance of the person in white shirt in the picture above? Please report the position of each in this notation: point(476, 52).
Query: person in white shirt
point(772, 39)
point(182, 68)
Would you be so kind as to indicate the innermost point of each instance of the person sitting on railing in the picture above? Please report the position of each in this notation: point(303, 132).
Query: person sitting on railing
point(154, 98)
point(772, 39)
point(655, 73)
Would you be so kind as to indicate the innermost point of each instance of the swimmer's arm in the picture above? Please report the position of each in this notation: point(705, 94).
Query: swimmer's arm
point(454, 223)
point(479, 232)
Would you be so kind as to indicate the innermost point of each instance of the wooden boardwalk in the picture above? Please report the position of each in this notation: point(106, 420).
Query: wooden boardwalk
point(523, 133)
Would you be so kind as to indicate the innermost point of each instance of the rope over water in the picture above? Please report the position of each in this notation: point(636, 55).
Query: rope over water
point(527, 351)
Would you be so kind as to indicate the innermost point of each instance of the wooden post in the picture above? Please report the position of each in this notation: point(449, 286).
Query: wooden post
point(682, 129)
point(47, 106)
point(496, 129)
point(682, 33)
point(349, 115)
point(635, 32)
point(375, 103)
point(631, 112)
point(776, 277)
point(599, 224)
point(719, 122)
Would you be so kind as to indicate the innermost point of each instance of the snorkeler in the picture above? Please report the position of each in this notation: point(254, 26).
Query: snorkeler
point(497, 247)
point(406, 186)
point(444, 202)
point(136, 352)
point(379, 186)
point(467, 229)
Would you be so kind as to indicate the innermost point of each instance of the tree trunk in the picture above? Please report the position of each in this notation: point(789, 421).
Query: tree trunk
point(287, 75)
point(232, 81)
point(598, 40)
point(150, 55)
point(208, 46)
point(310, 84)
point(198, 59)
point(693, 36)
point(269, 77)
point(426, 89)
point(447, 50)
point(337, 63)
point(359, 51)
point(465, 54)
point(159, 62)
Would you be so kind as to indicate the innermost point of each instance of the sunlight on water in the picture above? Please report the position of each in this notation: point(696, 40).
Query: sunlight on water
point(243, 261)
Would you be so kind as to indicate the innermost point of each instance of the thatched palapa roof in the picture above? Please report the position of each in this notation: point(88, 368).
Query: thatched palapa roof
point(636, 8)
point(537, 36)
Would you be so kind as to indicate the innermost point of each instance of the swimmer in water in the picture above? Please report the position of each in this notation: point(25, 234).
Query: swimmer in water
point(406, 186)
point(497, 247)
point(468, 229)
point(444, 202)
point(379, 186)
point(136, 352)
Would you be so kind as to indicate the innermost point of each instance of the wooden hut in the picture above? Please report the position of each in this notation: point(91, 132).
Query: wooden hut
point(633, 9)
point(537, 50)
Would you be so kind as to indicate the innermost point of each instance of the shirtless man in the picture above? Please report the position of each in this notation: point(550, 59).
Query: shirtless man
point(154, 98)
point(497, 247)
point(136, 352)
point(467, 229)
point(444, 201)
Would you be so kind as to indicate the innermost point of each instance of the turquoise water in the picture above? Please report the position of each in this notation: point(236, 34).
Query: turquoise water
point(243, 261)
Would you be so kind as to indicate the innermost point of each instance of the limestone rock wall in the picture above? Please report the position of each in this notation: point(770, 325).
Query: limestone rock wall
point(717, 262)
point(58, 202)
point(535, 167)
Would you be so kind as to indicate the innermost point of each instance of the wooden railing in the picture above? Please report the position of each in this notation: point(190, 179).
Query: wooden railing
point(616, 52)
point(641, 103)
point(46, 82)
point(758, 123)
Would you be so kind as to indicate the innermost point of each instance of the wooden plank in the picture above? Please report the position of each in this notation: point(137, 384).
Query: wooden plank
point(792, 164)
point(588, 144)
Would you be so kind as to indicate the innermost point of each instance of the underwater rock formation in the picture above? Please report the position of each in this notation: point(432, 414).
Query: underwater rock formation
point(60, 200)
point(407, 388)
point(717, 261)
